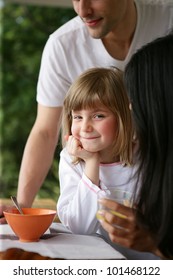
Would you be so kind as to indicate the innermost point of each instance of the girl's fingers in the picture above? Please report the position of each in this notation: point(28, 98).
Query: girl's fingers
point(66, 137)
point(72, 145)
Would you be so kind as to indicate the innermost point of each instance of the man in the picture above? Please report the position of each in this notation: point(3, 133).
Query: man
point(105, 33)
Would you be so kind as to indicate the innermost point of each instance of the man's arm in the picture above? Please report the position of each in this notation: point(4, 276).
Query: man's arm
point(38, 153)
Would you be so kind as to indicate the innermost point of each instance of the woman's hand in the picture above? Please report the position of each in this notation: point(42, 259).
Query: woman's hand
point(120, 223)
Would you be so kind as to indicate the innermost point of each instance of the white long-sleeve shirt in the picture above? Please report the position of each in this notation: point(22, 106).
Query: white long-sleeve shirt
point(77, 204)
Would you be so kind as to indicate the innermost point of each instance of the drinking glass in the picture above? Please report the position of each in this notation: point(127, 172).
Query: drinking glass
point(121, 196)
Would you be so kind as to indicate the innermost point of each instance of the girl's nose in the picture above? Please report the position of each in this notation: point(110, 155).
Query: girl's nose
point(86, 126)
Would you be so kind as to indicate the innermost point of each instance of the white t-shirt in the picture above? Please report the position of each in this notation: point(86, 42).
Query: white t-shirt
point(70, 50)
point(77, 204)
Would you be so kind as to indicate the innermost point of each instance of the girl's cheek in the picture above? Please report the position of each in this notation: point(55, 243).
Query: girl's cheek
point(74, 131)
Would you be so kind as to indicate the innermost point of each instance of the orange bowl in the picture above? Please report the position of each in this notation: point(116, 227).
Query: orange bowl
point(30, 226)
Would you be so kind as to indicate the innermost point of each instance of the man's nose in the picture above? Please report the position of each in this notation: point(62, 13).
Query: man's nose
point(84, 8)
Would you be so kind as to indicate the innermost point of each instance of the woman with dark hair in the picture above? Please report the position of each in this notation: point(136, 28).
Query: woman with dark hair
point(149, 83)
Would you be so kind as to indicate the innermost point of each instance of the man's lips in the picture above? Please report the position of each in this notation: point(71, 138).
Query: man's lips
point(92, 22)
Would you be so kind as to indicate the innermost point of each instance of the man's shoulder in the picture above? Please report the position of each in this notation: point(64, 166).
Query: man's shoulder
point(159, 11)
point(72, 28)
point(155, 2)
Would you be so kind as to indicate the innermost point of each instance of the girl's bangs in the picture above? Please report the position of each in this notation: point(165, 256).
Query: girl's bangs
point(86, 101)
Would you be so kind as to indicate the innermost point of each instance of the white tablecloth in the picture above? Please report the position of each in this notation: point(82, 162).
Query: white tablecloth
point(58, 242)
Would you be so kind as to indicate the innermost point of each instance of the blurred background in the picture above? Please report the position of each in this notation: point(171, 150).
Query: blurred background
point(24, 29)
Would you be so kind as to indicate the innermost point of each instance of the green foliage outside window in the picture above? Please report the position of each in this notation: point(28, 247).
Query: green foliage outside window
point(25, 30)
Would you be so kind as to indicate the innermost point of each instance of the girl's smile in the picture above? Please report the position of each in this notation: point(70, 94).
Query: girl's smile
point(96, 129)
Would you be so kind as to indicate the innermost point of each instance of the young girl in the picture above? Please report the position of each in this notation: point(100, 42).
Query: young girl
point(97, 156)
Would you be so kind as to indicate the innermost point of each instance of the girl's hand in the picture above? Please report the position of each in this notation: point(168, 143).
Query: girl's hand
point(120, 223)
point(92, 160)
point(74, 148)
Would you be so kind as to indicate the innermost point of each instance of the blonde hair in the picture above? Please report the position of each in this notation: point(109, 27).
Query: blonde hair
point(105, 86)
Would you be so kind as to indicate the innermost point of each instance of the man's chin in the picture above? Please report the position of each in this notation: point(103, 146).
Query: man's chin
point(94, 35)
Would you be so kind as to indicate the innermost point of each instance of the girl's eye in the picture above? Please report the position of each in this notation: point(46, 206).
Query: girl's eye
point(77, 117)
point(99, 116)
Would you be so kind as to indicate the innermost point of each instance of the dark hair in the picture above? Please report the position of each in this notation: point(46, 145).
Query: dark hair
point(149, 82)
